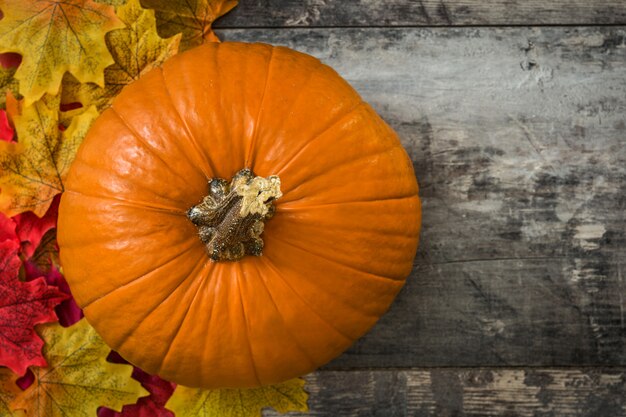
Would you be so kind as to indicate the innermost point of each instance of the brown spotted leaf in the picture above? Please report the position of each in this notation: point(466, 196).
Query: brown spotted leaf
point(192, 18)
point(55, 36)
point(33, 169)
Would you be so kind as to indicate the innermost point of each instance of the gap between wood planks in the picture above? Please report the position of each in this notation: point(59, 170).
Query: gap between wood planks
point(486, 26)
point(582, 368)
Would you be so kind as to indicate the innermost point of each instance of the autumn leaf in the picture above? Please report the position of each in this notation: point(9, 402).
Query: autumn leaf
point(136, 49)
point(288, 396)
point(40, 255)
point(12, 105)
point(7, 229)
point(22, 306)
point(8, 392)
point(78, 379)
point(45, 262)
point(32, 170)
point(7, 83)
point(37, 237)
point(44, 258)
point(31, 229)
point(152, 406)
point(53, 37)
point(192, 18)
point(6, 131)
point(68, 311)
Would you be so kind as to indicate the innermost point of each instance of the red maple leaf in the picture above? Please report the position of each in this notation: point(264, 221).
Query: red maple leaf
point(7, 229)
point(7, 133)
point(22, 306)
point(30, 228)
point(68, 311)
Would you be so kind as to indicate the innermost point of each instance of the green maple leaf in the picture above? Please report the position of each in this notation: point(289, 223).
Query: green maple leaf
point(78, 378)
point(55, 36)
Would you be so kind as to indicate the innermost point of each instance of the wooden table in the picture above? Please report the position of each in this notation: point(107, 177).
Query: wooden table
point(514, 113)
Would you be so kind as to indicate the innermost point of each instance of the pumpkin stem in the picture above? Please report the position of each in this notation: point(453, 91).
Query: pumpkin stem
point(230, 219)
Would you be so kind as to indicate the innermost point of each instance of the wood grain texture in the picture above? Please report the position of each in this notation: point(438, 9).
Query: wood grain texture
point(333, 13)
point(463, 392)
point(518, 138)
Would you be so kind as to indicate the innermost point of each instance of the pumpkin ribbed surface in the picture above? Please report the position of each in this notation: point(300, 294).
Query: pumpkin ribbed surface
point(336, 251)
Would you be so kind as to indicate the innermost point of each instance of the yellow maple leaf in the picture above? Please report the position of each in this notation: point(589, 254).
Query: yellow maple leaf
point(55, 36)
point(192, 18)
point(284, 397)
point(136, 49)
point(8, 392)
point(7, 83)
point(78, 378)
point(33, 169)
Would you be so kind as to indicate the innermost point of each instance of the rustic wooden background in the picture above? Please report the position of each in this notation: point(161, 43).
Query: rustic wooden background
point(514, 113)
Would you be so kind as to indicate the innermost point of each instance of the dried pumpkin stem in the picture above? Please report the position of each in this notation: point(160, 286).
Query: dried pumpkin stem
point(230, 219)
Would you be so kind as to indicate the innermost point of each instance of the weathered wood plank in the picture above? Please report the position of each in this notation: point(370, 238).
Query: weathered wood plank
point(518, 138)
point(333, 13)
point(463, 392)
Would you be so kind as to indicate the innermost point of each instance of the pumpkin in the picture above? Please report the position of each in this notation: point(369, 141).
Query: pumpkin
point(237, 217)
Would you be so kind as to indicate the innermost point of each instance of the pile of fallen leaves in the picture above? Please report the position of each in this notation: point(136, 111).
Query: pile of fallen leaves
point(61, 64)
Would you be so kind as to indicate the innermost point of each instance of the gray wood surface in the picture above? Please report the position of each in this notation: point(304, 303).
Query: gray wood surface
point(332, 13)
point(467, 392)
point(518, 137)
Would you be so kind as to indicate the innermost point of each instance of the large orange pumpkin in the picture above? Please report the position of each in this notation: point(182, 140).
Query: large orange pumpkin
point(170, 294)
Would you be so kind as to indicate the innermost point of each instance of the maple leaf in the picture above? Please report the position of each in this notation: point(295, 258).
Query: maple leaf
point(7, 83)
point(30, 228)
point(45, 257)
point(13, 106)
point(152, 406)
point(7, 229)
point(284, 397)
point(53, 37)
point(45, 261)
point(192, 18)
point(136, 49)
point(68, 311)
point(78, 379)
point(32, 170)
point(8, 65)
point(22, 306)
point(8, 392)
point(37, 236)
point(6, 131)
point(40, 253)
